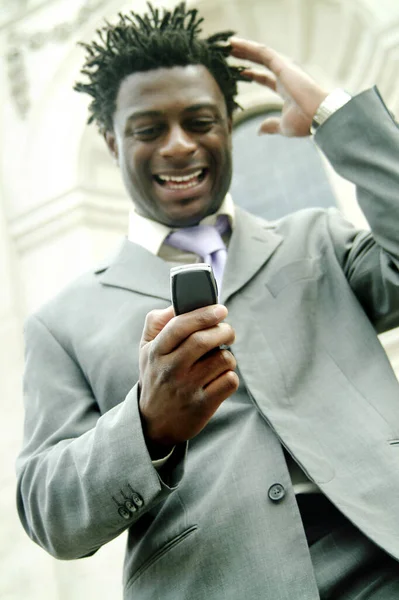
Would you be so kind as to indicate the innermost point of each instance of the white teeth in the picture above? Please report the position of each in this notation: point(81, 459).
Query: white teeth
point(182, 187)
point(182, 178)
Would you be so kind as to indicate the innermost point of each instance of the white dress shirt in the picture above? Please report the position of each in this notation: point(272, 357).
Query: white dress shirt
point(151, 235)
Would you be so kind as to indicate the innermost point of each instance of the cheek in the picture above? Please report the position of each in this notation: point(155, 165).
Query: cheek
point(224, 156)
point(225, 143)
point(136, 164)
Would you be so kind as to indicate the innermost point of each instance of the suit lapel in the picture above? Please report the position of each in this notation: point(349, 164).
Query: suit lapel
point(136, 269)
point(252, 243)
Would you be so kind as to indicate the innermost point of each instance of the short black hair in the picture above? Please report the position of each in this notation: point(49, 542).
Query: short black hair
point(150, 41)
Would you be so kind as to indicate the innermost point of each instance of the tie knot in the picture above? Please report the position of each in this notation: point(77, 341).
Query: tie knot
point(205, 241)
point(202, 240)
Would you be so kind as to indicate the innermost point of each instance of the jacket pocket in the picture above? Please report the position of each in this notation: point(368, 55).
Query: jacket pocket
point(299, 270)
point(161, 552)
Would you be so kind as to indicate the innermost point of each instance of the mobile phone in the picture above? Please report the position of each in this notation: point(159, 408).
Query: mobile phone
point(192, 286)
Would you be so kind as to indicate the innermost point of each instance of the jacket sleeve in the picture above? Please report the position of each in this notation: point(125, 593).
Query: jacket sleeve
point(361, 141)
point(83, 478)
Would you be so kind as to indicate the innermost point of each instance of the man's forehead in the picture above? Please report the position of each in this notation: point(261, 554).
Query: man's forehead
point(160, 88)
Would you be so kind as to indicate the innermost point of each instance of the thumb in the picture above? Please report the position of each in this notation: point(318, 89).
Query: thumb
point(154, 323)
point(270, 125)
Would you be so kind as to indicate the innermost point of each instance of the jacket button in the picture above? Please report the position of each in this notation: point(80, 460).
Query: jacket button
point(130, 506)
point(276, 492)
point(137, 499)
point(124, 512)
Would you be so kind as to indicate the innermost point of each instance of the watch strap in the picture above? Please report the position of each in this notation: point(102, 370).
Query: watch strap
point(333, 102)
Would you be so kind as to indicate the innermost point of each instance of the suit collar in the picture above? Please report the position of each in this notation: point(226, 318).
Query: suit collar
point(136, 269)
point(252, 243)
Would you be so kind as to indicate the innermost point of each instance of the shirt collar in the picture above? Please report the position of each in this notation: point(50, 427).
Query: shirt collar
point(150, 234)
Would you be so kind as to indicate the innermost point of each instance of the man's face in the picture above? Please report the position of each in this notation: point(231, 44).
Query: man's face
point(172, 139)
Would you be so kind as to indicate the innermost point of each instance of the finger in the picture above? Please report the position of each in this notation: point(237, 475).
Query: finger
point(222, 387)
point(261, 77)
point(178, 329)
point(211, 397)
point(200, 343)
point(154, 323)
point(212, 365)
point(271, 125)
point(257, 53)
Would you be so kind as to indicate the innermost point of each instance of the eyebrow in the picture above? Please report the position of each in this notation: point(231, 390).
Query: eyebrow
point(158, 113)
point(196, 107)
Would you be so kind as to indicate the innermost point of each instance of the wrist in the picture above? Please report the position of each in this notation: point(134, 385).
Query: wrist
point(157, 448)
point(158, 451)
point(333, 102)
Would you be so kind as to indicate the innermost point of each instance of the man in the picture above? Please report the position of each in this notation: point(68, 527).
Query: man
point(199, 435)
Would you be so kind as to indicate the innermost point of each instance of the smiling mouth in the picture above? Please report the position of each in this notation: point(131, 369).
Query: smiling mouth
point(182, 182)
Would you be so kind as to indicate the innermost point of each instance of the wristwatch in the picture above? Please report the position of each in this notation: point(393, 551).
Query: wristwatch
point(334, 101)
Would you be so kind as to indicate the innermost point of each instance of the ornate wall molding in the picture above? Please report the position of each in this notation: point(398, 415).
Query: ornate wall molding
point(19, 44)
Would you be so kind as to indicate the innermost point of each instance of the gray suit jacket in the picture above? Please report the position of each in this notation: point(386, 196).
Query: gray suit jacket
point(307, 296)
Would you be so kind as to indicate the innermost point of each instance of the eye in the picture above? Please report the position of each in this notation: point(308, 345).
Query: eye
point(202, 125)
point(147, 134)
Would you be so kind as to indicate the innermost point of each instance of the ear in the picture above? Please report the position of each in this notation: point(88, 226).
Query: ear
point(110, 140)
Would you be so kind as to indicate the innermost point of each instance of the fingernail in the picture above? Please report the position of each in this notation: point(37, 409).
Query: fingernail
point(220, 311)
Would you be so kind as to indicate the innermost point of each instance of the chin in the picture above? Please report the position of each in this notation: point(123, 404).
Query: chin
point(189, 215)
point(184, 221)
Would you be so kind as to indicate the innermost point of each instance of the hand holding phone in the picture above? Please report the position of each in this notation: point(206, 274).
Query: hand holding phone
point(180, 370)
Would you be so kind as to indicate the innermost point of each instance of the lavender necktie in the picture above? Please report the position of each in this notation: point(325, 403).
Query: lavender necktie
point(205, 241)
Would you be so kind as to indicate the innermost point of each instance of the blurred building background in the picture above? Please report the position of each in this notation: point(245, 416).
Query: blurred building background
point(63, 207)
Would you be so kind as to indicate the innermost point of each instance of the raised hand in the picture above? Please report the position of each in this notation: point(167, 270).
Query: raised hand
point(301, 94)
point(184, 375)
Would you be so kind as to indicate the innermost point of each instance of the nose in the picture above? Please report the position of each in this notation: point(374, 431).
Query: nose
point(178, 143)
